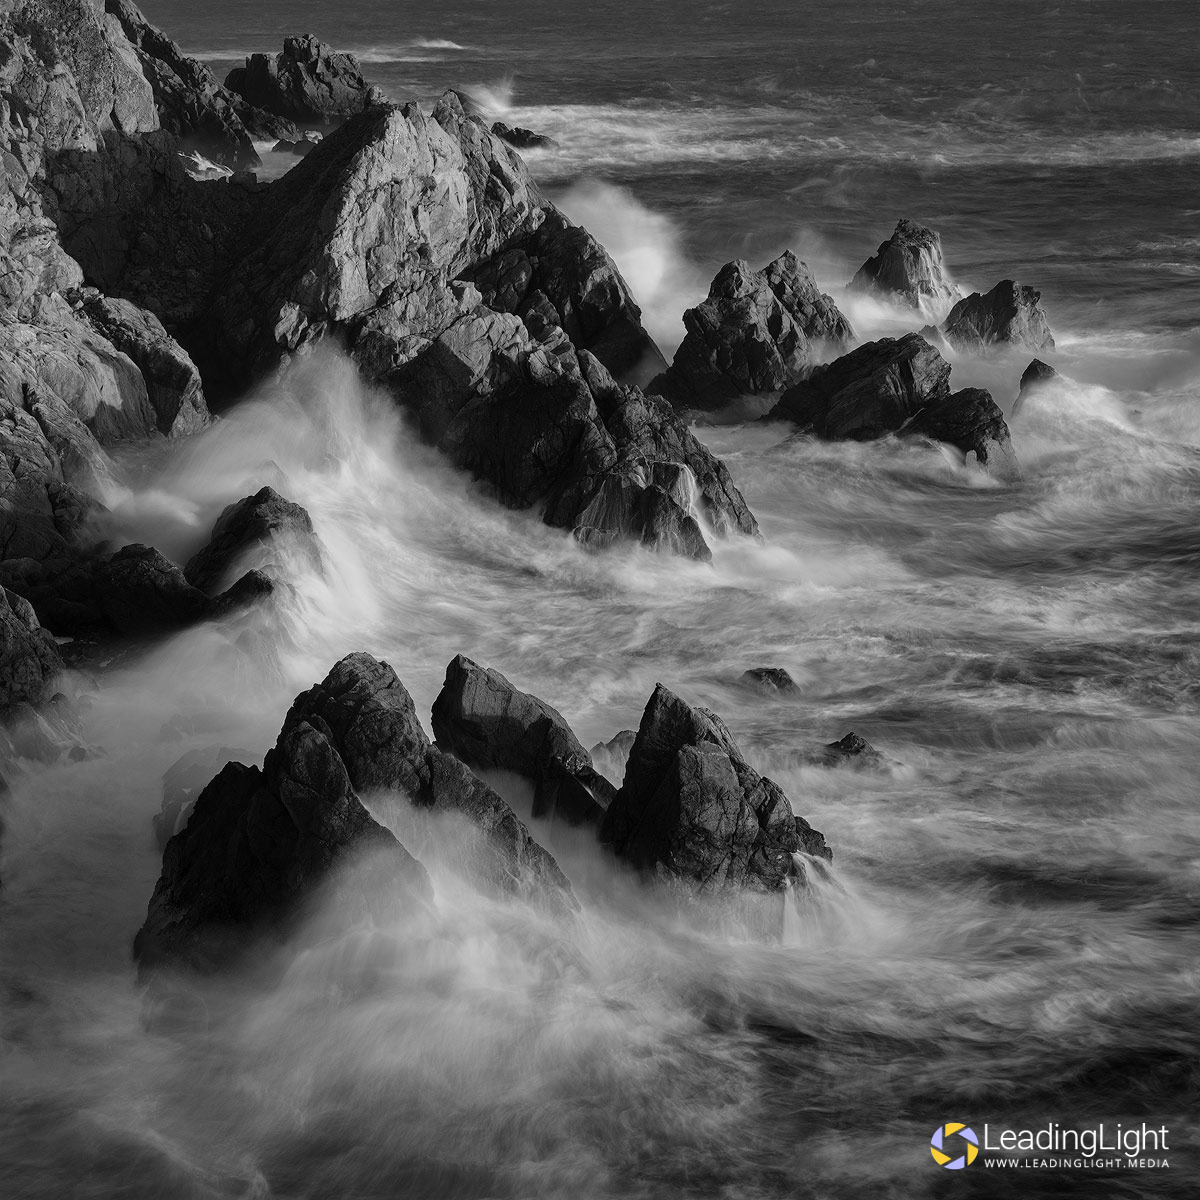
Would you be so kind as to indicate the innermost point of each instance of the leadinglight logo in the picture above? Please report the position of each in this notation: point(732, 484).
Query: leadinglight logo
point(955, 1146)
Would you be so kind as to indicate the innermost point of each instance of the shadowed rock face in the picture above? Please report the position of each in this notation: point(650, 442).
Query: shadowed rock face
point(29, 658)
point(909, 267)
point(480, 718)
point(1010, 313)
point(691, 806)
point(308, 83)
point(1033, 379)
point(899, 386)
point(758, 331)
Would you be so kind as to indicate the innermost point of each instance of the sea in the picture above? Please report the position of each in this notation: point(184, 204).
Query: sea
point(1009, 935)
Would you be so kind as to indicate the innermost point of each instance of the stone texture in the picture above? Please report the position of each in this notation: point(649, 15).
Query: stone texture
point(899, 386)
point(480, 718)
point(758, 331)
point(770, 680)
point(909, 268)
point(1010, 314)
point(29, 658)
point(692, 807)
point(522, 138)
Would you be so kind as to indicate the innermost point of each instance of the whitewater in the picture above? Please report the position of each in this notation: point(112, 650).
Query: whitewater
point(1010, 930)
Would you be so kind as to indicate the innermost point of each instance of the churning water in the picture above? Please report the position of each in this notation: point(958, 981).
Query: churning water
point(1010, 932)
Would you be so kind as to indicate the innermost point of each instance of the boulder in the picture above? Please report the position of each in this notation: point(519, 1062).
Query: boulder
point(899, 386)
point(1010, 314)
point(693, 808)
point(758, 331)
point(183, 782)
point(480, 718)
point(853, 751)
point(521, 138)
point(370, 720)
point(909, 268)
point(771, 680)
point(1033, 379)
point(29, 658)
point(308, 82)
point(256, 521)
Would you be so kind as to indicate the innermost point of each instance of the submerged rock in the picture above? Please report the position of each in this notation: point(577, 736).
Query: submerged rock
point(852, 750)
point(480, 718)
point(758, 331)
point(522, 138)
point(255, 521)
point(692, 807)
point(307, 82)
point(1010, 313)
point(909, 267)
point(771, 680)
point(900, 386)
point(29, 658)
point(1033, 379)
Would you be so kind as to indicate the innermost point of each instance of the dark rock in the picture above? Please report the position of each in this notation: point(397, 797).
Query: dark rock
point(29, 658)
point(1033, 379)
point(692, 807)
point(480, 718)
point(521, 138)
point(899, 386)
point(303, 146)
point(308, 82)
point(369, 718)
point(183, 782)
point(771, 679)
point(256, 521)
point(852, 750)
point(909, 267)
point(758, 331)
point(1009, 314)
point(139, 590)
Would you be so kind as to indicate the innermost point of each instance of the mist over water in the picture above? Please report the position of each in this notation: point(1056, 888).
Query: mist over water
point(1011, 927)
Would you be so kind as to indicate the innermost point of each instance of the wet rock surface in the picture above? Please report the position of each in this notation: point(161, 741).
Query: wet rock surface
point(1010, 314)
point(909, 268)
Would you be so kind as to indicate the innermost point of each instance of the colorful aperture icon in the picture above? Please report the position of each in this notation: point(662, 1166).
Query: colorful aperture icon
point(954, 1146)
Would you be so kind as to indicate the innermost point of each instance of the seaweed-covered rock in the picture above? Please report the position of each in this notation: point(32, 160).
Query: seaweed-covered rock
point(1010, 314)
point(480, 718)
point(691, 806)
point(909, 267)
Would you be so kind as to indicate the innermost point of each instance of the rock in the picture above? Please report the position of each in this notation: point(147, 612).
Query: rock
point(909, 267)
point(521, 138)
point(480, 718)
point(899, 386)
point(610, 757)
point(852, 750)
point(771, 680)
point(29, 658)
point(308, 82)
point(173, 383)
point(758, 331)
point(370, 720)
point(1009, 314)
point(256, 521)
point(183, 782)
point(1033, 379)
point(139, 590)
point(691, 806)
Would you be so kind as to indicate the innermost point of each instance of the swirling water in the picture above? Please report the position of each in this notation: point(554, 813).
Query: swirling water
point(1010, 932)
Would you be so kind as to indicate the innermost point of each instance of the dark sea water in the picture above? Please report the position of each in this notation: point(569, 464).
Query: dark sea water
point(1011, 932)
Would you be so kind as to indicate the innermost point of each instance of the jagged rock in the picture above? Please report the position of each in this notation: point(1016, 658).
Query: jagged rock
point(852, 750)
point(173, 384)
point(909, 267)
point(258, 847)
point(480, 718)
point(1033, 379)
point(256, 520)
point(308, 82)
point(183, 782)
point(758, 331)
point(139, 590)
point(610, 757)
point(771, 680)
point(691, 806)
point(370, 720)
point(29, 658)
point(899, 386)
point(522, 138)
point(1010, 313)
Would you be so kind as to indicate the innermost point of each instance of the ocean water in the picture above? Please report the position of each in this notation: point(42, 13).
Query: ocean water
point(1010, 932)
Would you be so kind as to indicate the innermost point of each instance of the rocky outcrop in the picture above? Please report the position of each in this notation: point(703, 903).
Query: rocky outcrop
point(29, 658)
point(256, 521)
point(480, 718)
point(1010, 314)
point(692, 807)
point(900, 386)
point(908, 268)
point(758, 331)
point(182, 784)
point(522, 138)
point(1033, 379)
point(852, 751)
point(770, 680)
point(309, 83)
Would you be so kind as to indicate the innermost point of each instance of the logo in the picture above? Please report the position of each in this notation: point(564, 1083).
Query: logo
point(954, 1146)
